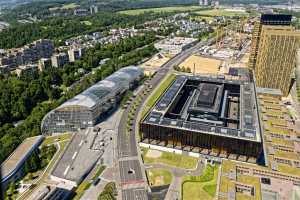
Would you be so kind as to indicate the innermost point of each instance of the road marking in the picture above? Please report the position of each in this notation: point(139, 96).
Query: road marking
point(67, 169)
point(74, 155)
point(81, 142)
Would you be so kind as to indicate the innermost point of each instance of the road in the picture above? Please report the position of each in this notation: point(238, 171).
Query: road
point(109, 127)
point(132, 174)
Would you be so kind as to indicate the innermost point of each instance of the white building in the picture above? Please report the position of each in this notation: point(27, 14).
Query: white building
point(94, 9)
point(174, 45)
point(75, 54)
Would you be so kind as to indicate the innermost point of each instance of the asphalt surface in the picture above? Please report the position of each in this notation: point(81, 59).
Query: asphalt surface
point(130, 171)
point(70, 165)
point(127, 145)
point(136, 194)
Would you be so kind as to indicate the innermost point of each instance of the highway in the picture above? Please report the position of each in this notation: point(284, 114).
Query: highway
point(132, 178)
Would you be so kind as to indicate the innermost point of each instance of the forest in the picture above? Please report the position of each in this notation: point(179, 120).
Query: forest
point(62, 28)
point(29, 98)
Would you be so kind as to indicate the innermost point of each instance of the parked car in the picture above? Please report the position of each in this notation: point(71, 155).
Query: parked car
point(96, 181)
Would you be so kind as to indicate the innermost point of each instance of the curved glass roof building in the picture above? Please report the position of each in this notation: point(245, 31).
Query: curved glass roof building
point(84, 109)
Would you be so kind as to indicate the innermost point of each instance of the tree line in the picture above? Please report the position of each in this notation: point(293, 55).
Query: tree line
point(59, 29)
point(43, 9)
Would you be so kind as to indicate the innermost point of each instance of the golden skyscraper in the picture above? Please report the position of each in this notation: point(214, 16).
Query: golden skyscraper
point(273, 55)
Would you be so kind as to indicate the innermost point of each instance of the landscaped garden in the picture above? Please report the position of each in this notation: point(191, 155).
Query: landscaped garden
point(201, 187)
point(158, 177)
point(171, 159)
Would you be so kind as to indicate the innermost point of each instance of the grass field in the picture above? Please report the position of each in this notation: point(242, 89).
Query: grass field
point(171, 159)
point(221, 12)
point(163, 9)
point(81, 188)
point(70, 6)
point(157, 93)
point(65, 7)
point(201, 187)
point(158, 177)
point(50, 165)
point(53, 139)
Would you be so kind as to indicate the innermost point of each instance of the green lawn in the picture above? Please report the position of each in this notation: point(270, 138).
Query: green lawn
point(210, 189)
point(50, 165)
point(100, 169)
point(159, 177)
point(221, 12)
point(54, 159)
point(157, 93)
point(70, 6)
point(171, 159)
point(57, 138)
point(81, 189)
point(65, 7)
point(194, 191)
point(163, 9)
point(201, 187)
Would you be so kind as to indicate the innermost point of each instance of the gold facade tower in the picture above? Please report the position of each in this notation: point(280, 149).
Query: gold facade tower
point(276, 57)
point(273, 54)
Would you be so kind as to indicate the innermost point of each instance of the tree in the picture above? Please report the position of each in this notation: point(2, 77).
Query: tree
point(188, 70)
point(30, 176)
point(12, 188)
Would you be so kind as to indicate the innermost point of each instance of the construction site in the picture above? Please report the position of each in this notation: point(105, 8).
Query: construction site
point(154, 63)
point(231, 49)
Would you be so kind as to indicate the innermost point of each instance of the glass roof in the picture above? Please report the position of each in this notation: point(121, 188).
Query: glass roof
point(119, 80)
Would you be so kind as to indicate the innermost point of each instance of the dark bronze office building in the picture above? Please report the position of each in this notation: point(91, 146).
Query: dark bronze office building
point(214, 114)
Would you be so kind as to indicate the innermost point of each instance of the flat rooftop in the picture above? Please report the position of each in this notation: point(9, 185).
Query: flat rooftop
point(266, 185)
point(78, 158)
point(207, 98)
point(209, 104)
point(279, 131)
point(176, 41)
point(16, 159)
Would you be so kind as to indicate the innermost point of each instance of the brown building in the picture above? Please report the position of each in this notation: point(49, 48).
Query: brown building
point(207, 115)
point(273, 55)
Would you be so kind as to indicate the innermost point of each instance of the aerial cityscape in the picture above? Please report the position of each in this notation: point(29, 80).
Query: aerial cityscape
point(150, 100)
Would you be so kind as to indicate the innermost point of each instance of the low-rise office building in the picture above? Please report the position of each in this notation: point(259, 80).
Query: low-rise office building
point(12, 169)
point(208, 115)
point(174, 45)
